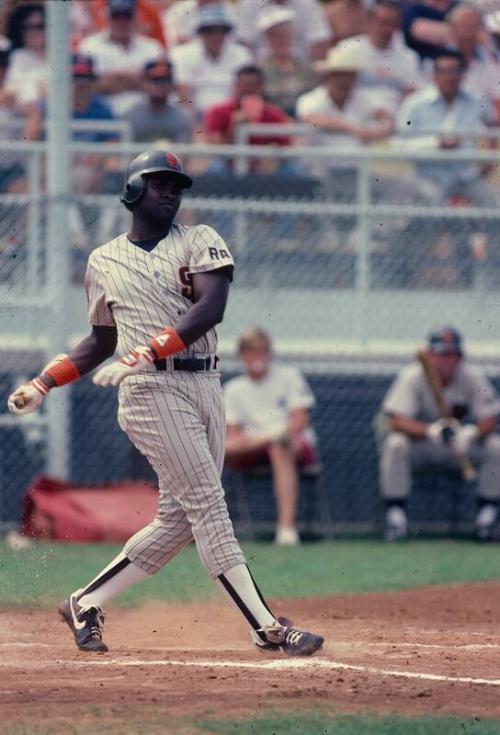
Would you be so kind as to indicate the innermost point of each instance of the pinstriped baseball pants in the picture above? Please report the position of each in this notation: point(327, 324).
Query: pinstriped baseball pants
point(177, 421)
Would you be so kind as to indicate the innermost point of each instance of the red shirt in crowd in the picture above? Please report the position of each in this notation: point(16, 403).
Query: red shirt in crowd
point(218, 120)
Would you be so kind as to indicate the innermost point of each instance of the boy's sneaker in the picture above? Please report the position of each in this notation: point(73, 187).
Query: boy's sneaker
point(486, 521)
point(284, 637)
point(287, 537)
point(86, 623)
point(396, 524)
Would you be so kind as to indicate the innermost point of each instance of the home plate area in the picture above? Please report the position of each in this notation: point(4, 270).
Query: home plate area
point(434, 650)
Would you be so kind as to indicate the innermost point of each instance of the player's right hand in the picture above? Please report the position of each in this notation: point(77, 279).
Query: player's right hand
point(128, 365)
point(441, 432)
point(27, 398)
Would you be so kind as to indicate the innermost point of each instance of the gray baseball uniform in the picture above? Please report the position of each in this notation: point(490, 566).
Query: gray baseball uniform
point(175, 418)
point(470, 393)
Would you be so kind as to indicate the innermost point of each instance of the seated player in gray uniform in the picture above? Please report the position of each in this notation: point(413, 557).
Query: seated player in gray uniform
point(268, 423)
point(418, 437)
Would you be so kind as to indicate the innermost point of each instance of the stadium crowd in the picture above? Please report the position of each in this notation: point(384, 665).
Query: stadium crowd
point(410, 73)
point(358, 70)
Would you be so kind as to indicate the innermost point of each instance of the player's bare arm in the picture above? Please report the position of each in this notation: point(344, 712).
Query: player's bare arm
point(210, 292)
point(64, 369)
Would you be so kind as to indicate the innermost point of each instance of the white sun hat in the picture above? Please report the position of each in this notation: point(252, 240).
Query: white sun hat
point(273, 16)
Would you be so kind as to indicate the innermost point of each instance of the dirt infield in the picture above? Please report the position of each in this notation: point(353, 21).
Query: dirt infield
point(433, 650)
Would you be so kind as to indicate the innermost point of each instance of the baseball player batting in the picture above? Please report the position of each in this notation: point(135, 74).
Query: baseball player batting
point(157, 294)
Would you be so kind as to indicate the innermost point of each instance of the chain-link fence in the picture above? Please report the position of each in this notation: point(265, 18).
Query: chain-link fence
point(337, 253)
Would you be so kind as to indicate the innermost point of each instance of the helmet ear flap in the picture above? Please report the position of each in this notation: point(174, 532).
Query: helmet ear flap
point(134, 189)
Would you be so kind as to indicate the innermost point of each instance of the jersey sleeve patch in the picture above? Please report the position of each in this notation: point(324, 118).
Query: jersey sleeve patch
point(209, 251)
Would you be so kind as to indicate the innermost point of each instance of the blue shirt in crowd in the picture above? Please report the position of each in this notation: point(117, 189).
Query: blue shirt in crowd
point(425, 111)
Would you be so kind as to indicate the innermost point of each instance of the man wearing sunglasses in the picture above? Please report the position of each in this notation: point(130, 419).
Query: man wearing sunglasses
point(154, 117)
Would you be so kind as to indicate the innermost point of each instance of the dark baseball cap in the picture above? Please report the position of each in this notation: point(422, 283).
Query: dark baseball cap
point(82, 66)
point(446, 341)
point(159, 69)
point(126, 7)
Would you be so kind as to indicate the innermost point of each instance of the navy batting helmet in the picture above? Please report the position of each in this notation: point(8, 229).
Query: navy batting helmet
point(151, 162)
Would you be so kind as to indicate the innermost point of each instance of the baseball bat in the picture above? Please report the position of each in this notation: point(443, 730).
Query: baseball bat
point(434, 382)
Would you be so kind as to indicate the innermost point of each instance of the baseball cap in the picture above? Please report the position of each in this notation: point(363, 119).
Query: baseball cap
point(342, 57)
point(82, 66)
point(273, 16)
point(158, 69)
point(445, 341)
point(121, 6)
point(213, 15)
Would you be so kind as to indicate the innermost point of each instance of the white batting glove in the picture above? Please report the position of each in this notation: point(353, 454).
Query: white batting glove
point(441, 432)
point(465, 437)
point(27, 398)
point(128, 365)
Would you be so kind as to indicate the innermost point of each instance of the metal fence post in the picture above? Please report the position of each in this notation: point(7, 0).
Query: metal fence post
point(362, 278)
point(58, 251)
point(34, 221)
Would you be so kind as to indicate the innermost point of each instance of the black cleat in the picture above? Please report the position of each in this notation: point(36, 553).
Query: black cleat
point(86, 623)
point(284, 637)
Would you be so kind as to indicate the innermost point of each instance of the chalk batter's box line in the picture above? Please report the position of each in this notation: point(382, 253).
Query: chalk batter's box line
point(283, 665)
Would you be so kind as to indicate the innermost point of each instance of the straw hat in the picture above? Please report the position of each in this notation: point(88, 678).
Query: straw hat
point(342, 57)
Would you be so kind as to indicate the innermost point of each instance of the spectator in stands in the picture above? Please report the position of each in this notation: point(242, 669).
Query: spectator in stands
point(445, 108)
point(286, 76)
point(87, 105)
point(311, 37)
point(88, 169)
point(205, 67)
point(180, 17)
point(425, 28)
point(268, 421)
point(468, 36)
point(346, 18)
point(492, 25)
point(11, 125)
point(390, 69)
point(119, 54)
point(342, 114)
point(247, 105)
point(155, 117)
point(417, 437)
point(147, 18)
point(27, 72)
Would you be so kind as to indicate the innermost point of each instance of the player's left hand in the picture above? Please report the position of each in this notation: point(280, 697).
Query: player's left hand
point(130, 364)
point(465, 437)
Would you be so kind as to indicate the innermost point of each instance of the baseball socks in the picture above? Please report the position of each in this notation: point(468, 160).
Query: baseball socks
point(118, 576)
point(238, 584)
point(268, 633)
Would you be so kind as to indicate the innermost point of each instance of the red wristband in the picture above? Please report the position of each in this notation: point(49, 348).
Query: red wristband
point(63, 372)
point(167, 343)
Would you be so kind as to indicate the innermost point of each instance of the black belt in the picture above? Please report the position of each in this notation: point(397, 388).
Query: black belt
point(190, 364)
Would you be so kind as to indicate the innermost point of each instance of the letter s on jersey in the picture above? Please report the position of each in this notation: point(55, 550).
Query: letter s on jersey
point(186, 279)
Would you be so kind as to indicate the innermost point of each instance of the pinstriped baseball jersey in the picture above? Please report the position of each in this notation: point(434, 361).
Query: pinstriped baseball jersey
point(174, 418)
point(142, 292)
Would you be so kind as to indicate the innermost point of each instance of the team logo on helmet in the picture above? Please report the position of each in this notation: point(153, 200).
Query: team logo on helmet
point(173, 161)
